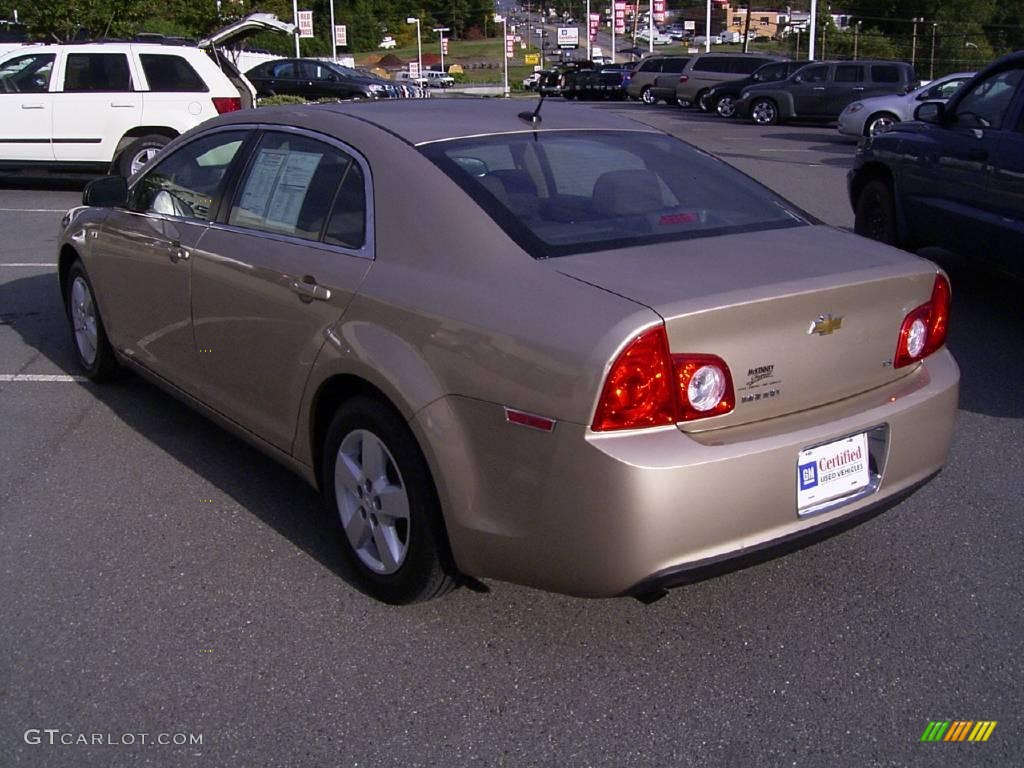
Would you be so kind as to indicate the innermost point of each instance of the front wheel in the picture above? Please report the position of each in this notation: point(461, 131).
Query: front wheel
point(875, 216)
point(764, 112)
point(139, 153)
point(383, 505)
point(726, 106)
point(879, 123)
point(92, 348)
point(647, 97)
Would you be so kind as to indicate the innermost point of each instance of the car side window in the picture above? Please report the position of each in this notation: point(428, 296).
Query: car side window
point(849, 73)
point(814, 74)
point(97, 73)
point(313, 70)
point(885, 73)
point(290, 186)
point(985, 106)
point(347, 224)
point(27, 74)
point(744, 66)
point(171, 74)
point(285, 70)
point(654, 65)
point(189, 181)
point(674, 66)
point(710, 64)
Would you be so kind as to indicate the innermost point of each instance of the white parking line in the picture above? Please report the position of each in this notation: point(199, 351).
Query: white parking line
point(17, 377)
point(785, 150)
point(33, 210)
point(30, 264)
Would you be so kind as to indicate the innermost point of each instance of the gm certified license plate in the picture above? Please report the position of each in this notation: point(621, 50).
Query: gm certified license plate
point(829, 471)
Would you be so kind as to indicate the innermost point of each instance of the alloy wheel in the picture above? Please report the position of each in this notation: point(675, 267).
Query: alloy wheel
point(726, 106)
point(142, 157)
point(83, 318)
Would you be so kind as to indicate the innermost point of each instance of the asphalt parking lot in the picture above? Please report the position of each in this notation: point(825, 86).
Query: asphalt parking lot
point(158, 576)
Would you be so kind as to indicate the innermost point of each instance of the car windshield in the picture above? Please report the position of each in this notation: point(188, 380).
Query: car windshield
point(562, 192)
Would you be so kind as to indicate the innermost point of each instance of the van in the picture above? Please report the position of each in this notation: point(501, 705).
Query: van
point(649, 70)
point(706, 70)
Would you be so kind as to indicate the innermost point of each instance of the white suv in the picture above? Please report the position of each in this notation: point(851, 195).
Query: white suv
point(110, 106)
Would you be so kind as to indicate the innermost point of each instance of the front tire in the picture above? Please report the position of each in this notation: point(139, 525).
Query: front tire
point(726, 106)
point(383, 506)
point(92, 348)
point(647, 97)
point(139, 153)
point(764, 112)
point(879, 123)
point(875, 216)
point(702, 102)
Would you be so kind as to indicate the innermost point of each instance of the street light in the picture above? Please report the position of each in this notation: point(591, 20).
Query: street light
point(419, 44)
point(913, 44)
point(441, 31)
point(504, 49)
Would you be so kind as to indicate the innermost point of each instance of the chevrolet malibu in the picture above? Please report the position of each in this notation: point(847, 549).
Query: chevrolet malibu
point(564, 350)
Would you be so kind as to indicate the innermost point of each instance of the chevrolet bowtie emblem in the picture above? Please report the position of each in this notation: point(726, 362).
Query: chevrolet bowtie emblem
point(825, 324)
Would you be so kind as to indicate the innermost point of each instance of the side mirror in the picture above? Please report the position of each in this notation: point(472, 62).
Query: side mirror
point(106, 192)
point(931, 112)
point(798, 78)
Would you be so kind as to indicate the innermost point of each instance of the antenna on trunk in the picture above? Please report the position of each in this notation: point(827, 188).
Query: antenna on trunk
point(533, 117)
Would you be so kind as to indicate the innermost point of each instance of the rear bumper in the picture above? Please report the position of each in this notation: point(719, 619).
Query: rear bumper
point(600, 515)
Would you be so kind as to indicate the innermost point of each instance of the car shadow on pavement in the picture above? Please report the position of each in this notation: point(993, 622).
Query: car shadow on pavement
point(985, 332)
point(53, 183)
point(818, 141)
point(283, 501)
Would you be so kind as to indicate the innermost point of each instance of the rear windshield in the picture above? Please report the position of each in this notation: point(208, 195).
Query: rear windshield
point(562, 192)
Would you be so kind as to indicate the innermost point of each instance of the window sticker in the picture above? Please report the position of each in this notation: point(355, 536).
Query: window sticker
point(276, 189)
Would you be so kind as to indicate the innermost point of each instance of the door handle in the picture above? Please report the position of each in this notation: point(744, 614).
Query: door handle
point(176, 252)
point(858, 88)
point(819, 88)
point(115, 105)
point(308, 289)
point(33, 106)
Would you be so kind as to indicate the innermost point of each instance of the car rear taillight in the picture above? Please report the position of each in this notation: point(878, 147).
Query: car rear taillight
point(924, 329)
point(227, 104)
point(648, 386)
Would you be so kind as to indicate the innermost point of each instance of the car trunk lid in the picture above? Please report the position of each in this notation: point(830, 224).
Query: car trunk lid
point(235, 32)
point(802, 316)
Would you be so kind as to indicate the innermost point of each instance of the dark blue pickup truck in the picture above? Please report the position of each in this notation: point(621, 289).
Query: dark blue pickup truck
point(955, 176)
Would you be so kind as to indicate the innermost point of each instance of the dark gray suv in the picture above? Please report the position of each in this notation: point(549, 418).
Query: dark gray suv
point(820, 91)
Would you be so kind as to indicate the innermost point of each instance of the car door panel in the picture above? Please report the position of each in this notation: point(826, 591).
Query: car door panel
point(1008, 190)
point(26, 106)
point(810, 94)
point(266, 292)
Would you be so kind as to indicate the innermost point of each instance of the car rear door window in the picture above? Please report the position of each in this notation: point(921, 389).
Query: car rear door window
point(171, 74)
point(289, 186)
point(27, 74)
point(97, 73)
point(885, 73)
point(711, 64)
point(188, 183)
point(285, 70)
point(818, 74)
point(347, 224)
point(746, 66)
point(674, 65)
point(849, 73)
point(652, 65)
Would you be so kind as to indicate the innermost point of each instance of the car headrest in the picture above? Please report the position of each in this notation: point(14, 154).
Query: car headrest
point(627, 193)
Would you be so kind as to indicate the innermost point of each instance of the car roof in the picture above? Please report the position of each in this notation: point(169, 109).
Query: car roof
point(419, 121)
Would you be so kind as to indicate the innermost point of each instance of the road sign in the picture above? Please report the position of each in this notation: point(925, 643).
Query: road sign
point(620, 18)
point(595, 24)
point(305, 23)
point(510, 46)
point(690, 26)
point(531, 58)
point(341, 35)
point(414, 70)
point(659, 10)
point(568, 37)
point(444, 45)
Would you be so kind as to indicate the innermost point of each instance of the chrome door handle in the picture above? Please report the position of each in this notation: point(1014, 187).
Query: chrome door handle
point(309, 290)
point(115, 105)
point(819, 88)
point(857, 88)
point(33, 106)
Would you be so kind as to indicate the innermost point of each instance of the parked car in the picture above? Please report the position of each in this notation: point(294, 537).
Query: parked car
point(553, 83)
point(596, 82)
point(706, 70)
point(437, 79)
point(405, 78)
point(722, 98)
point(387, 43)
point(672, 374)
point(531, 81)
point(821, 91)
point(648, 70)
point(316, 79)
point(658, 38)
point(954, 177)
point(868, 117)
point(111, 106)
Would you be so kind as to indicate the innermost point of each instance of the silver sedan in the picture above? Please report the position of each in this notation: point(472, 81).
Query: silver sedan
point(869, 117)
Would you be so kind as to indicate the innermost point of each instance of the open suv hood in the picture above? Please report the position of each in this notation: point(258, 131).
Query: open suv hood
point(243, 28)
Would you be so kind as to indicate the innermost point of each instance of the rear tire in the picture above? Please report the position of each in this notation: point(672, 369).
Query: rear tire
point(383, 506)
point(875, 216)
point(702, 101)
point(139, 153)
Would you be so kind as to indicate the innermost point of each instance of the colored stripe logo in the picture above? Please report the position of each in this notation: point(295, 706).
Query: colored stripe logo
point(958, 730)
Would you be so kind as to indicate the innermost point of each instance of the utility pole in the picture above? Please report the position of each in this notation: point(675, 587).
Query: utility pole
point(856, 32)
point(913, 43)
point(931, 69)
point(707, 29)
point(295, 21)
point(814, 29)
point(746, 28)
